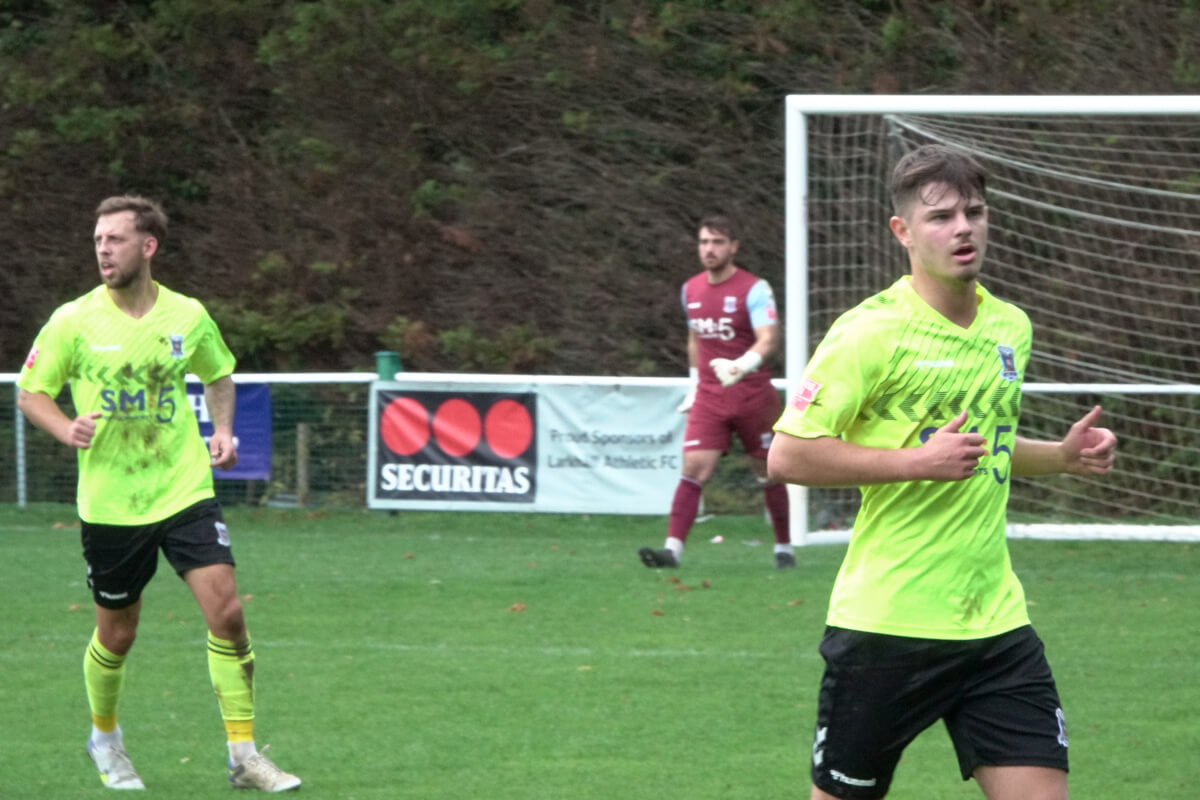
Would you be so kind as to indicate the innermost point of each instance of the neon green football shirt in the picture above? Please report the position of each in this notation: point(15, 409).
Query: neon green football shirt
point(147, 460)
point(926, 558)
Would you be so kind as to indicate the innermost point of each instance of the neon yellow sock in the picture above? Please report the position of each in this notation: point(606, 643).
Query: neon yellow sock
point(103, 675)
point(231, 667)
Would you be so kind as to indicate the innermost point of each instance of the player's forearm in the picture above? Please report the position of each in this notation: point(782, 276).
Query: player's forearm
point(693, 350)
point(829, 462)
point(220, 396)
point(44, 413)
point(766, 340)
point(1032, 457)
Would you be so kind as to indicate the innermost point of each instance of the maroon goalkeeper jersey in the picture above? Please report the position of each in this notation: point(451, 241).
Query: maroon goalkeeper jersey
point(724, 316)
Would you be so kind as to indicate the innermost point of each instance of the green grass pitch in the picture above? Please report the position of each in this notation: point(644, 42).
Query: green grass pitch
point(424, 655)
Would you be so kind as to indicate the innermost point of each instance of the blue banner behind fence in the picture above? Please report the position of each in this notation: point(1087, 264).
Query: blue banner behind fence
point(251, 429)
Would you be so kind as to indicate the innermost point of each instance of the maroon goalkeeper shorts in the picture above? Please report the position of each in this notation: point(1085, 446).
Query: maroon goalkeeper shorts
point(717, 415)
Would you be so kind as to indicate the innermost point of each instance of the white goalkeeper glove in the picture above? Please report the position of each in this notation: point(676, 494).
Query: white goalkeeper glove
point(690, 397)
point(730, 371)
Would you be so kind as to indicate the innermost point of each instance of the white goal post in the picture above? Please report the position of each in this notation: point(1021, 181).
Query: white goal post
point(1095, 233)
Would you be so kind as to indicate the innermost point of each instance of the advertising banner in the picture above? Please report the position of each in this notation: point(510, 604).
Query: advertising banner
point(591, 446)
point(251, 429)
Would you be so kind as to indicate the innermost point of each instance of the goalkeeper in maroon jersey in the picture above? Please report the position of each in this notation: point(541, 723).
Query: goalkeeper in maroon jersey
point(732, 330)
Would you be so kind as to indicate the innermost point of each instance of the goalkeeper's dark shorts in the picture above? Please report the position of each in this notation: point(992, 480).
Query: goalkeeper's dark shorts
point(995, 695)
point(121, 559)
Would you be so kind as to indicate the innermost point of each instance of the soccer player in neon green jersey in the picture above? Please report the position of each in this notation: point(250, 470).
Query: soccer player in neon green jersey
point(913, 396)
point(145, 476)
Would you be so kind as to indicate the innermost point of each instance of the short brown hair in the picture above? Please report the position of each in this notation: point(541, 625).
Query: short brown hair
point(935, 163)
point(148, 216)
point(720, 224)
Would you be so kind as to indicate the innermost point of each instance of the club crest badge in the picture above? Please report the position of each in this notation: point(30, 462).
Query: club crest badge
point(730, 304)
point(176, 345)
point(1008, 362)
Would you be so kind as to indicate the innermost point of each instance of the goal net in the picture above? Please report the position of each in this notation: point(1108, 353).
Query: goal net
point(1094, 232)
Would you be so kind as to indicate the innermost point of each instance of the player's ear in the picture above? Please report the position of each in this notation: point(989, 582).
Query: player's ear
point(149, 246)
point(900, 230)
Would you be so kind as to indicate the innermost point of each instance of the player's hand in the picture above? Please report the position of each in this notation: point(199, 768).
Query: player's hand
point(222, 453)
point(1088, 450)
point(689, 400)
point(730, 372)
point(82, 429)
point(727, 370)
point(949, 455)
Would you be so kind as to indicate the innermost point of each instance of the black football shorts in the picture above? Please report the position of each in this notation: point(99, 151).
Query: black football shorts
point(996, 696)
point(121, 559)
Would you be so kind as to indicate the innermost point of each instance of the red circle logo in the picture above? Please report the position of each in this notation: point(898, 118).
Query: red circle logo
point(405, 426)
point(457, 427)
point(509, 428)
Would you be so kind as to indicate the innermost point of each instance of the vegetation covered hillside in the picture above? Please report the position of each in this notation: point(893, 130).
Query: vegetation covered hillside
point(482, 185)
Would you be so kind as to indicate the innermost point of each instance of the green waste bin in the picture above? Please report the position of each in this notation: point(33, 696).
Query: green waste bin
point(387, 364)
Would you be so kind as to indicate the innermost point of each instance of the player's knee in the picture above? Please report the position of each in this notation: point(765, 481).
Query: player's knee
point(118, 641)
point(227, 619)
point(759, 468)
